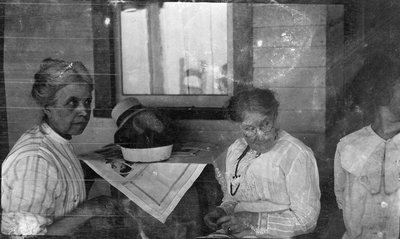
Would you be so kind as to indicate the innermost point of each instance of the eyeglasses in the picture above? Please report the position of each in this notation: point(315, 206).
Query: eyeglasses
point(265, 127)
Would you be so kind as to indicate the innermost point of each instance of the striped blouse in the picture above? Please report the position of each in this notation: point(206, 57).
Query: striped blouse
point(42, 180)
point(281, 185)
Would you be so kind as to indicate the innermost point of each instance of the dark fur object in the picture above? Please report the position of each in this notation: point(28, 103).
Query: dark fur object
point(147, 129)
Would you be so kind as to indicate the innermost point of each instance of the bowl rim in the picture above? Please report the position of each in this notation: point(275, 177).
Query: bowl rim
point(168, 149)
point(165, 146)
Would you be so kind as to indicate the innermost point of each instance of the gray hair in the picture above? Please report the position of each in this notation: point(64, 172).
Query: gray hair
point(254, 100)
point(53, 75)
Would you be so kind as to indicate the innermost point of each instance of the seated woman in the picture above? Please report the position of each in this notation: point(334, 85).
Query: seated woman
point(43, 189)
point(269, 178)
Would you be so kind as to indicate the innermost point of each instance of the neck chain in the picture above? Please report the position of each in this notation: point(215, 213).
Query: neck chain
point(236, 170)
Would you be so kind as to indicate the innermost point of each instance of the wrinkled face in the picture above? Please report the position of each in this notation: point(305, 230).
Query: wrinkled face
point(394, 105)
point(71, 112)
point(258, 130)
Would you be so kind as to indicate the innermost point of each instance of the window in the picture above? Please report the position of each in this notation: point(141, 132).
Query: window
point(179, 48)
point(175, 54)
point(188, 103)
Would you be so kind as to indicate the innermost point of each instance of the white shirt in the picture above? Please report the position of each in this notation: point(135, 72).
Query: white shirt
point(282, 185)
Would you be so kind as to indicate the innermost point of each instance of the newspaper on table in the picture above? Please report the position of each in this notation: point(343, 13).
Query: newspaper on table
point(155, 187)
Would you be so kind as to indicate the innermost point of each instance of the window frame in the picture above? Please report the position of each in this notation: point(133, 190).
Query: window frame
point(107, 63)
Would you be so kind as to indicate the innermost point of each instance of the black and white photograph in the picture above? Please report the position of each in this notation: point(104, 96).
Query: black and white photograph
point(150, 119)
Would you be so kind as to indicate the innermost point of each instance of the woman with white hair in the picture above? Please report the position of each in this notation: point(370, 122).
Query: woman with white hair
point(269, 178)
point(43, 189)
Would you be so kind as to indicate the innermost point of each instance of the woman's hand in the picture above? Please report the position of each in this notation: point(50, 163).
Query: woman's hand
point(102, 206)
point(211, 218)
point(236, 223)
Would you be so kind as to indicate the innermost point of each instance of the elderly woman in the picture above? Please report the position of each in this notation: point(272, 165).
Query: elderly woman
point(42, 188)
point(269, 178)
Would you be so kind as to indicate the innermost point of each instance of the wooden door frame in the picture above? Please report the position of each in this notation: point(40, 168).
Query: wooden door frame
point(3, 104)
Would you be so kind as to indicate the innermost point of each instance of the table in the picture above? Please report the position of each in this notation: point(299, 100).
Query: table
point(195, 191)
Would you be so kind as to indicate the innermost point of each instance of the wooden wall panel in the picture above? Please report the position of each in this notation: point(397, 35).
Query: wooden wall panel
point(314, 140)
point(289, 57)
point(306, 77)
point(302, 121)
point(288, 36)
point(34, 31)
point(288, 15)
point(210, 125)
point(217, 137)
point(301, 98)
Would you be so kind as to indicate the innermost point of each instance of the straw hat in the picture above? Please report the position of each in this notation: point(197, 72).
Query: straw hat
point(125, 110)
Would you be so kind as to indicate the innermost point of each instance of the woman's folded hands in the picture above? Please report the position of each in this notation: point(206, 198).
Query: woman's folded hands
point(231, 224)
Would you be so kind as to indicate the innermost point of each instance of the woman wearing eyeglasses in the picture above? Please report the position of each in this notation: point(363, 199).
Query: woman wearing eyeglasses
point(269, 178)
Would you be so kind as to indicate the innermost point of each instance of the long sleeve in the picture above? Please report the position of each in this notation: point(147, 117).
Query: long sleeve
point(228, 202)
point(339, 179)
point(28, 193)
point(303, 188)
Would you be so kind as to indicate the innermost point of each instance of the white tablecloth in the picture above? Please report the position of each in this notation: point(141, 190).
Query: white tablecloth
point(155, 187)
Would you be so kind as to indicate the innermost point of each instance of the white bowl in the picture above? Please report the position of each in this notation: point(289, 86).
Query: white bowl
point(147, 154)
